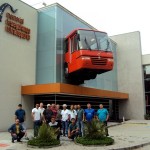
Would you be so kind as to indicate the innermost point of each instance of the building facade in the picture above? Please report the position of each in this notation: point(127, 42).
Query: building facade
point(32, 65)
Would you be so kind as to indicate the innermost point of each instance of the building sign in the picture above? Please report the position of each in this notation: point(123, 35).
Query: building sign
point(3, 7)
point(13, 24)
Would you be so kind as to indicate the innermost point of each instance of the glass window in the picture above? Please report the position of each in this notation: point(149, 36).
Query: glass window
point(87, 40)
point(74, 43)
point(91, 40)
point(103, 41)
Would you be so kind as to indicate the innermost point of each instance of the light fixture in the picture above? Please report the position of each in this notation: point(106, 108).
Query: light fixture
point(44, 4)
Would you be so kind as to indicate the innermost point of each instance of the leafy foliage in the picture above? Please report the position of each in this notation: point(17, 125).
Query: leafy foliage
point(95, 134)
point(46, 137)
point(46, 133)
point(43, 143)
point(102, 141)
point(94, 129)
point(147, 116)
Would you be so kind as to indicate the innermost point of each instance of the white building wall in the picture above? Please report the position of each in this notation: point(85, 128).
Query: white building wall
point(130, 75)
point(17, 64)
point(146, 59)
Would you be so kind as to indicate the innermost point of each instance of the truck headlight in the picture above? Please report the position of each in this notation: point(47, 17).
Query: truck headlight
point(85, 58)
point(111, 60)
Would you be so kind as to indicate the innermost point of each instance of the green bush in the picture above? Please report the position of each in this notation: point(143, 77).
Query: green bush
point(147, 116)
point(94, 134)
point(94, 129)
point(43, 143)
point(46, 137)
point(101, 141)
point(46, 133)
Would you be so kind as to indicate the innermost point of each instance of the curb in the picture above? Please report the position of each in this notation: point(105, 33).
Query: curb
point(123, 148)
point(113, 125)
point(44, 147)
point(131, 147)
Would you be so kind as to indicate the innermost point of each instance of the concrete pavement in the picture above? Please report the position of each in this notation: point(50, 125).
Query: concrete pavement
point(130, 135)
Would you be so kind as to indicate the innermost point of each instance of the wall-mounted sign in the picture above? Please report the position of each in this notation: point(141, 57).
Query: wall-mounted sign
point(13, 24)
point(3, 7)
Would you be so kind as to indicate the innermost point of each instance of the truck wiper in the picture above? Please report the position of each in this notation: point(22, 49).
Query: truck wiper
point(87, 44)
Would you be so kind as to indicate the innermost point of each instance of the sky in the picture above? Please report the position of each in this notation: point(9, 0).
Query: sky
point(112, 16)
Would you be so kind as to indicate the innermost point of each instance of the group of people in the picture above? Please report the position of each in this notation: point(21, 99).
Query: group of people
point(69, 121)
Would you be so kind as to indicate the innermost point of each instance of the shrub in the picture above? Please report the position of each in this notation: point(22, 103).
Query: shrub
point(95, 134)
point(101, 141)
point(147, 116)
point(46, 137)
point(94, 129)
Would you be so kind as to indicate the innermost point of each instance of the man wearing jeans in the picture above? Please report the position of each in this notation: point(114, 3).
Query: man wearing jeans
point(36, 116)
point(17, 131)
point(65, 119)
point(103, 117)
point(80, 116)
point(89, 113)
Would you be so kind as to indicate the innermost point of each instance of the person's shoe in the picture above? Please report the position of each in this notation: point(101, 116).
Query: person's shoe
point(18, 140)
point(107, 134)
point(26, 138)
point(12, 140)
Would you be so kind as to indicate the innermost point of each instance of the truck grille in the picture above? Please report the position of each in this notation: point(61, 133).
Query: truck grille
point(98, 60)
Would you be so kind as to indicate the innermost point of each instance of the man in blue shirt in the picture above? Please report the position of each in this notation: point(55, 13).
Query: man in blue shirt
point(103, 116)
point(89, 113)
point(21, 115)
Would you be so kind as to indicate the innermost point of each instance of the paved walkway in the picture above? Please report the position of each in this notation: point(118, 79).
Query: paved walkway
point(131, 134)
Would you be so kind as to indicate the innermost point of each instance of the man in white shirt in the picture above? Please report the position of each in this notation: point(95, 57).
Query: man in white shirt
point(36, 116)
point(65, 119)
point(72, 113)
point(41, 109)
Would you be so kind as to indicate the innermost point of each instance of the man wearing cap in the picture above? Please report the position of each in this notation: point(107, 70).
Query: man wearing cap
point(73, 130)
point(21, 115)
point(65, 119)
point(47, 114)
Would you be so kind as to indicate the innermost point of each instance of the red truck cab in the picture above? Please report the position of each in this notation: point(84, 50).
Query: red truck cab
point(88, 53)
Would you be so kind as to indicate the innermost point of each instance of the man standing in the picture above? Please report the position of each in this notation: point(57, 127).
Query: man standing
point(73, 130)
point(89, 113)
point(47, 114)
point(58, 117)
point(72, 113)
point(17, 131)
point(54, 110)
point(103, 116)
point(36, 116)
point(80, 117)
point(21, 115)
point(65, 119)
point(41, 109)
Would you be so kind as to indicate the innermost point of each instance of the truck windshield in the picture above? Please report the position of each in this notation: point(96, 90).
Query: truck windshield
point(91, 40)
